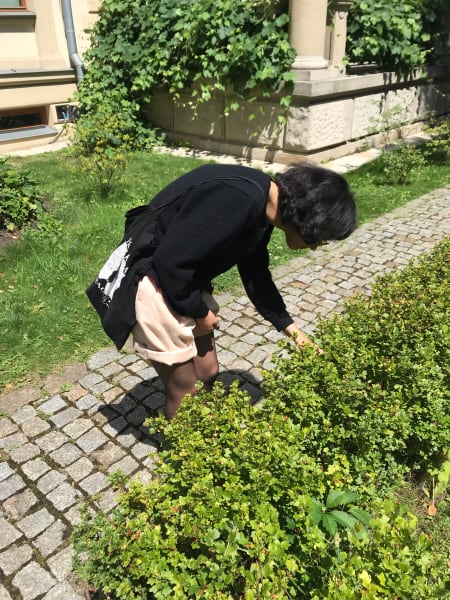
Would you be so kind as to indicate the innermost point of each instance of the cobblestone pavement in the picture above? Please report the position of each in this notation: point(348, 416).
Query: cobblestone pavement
point(60, 440)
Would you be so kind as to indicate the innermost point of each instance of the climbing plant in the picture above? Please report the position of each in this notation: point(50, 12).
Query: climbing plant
point(399, 36)
point(206, 45)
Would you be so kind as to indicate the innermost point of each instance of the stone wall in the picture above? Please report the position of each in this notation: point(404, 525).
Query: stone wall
point(329, 117)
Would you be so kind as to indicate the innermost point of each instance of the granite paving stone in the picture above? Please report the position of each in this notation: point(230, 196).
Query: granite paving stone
point(33, 469)
point(60, 564)
point(102, 358)
point(63, 496)
point(75, 392)
point(4, 595)
point(50, 481)
point(127, 465)
point(13, 441)
point(80, 469)
point(62, 591)
point(11, 486)
point(51, 441)
point(129, 382)
point(18, 505)
point(108, 454)
point(5, 470)
point(49, 541)
point(33, 524)
point(33, 581)
point(66, 454)
point(23, 414)
point(66, 416)
point(53, 405)
point(78, 427)
point(24, 453)
point(14, 557)
point(94, 483)
point(34, 427)
point(7, 427)
point(8, 533)
point(91, 440)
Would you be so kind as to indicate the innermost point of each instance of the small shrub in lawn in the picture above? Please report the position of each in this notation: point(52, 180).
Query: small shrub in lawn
point(399, 164)
point(103, 140)
point(437, 149)
point(19, 199)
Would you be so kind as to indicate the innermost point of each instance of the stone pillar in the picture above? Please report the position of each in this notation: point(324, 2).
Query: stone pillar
point(339, 12)
point(307, 32)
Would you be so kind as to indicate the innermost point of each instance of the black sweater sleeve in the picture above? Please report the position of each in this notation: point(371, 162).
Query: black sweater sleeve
point(259, 285)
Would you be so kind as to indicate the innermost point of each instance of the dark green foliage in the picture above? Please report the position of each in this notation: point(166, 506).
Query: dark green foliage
point(399, 36)
point(19, 199)
point(437, 149)
point(138, 46)
point(284, 500)
point(381, 396)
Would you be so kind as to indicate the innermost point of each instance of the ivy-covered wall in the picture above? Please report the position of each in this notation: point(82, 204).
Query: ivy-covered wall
point(217, 74)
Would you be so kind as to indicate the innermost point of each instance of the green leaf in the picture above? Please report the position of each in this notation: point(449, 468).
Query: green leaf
point(343, 518)
point(340, 498)
point(329, 523)
point(316, 511)
point(361, 515)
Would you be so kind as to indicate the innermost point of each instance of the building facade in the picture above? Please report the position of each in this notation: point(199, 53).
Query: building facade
point(334, 111)
point(41, 48)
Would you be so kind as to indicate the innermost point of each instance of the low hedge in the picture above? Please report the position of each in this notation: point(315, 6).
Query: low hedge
point(294, 498)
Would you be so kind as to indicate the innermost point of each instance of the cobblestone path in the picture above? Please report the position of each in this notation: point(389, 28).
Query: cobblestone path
point(59, 441)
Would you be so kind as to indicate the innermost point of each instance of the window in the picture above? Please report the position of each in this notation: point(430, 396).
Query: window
point(19, 119)
point(12, 4)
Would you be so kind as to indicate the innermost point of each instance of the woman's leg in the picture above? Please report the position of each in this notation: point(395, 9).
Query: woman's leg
point(206, 363)
point(180, 379)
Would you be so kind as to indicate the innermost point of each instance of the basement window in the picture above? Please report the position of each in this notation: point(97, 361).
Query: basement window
point(23, 118)
point(13, 4)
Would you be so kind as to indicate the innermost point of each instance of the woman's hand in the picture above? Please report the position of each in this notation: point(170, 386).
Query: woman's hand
point(300, 338)
point(206, 324)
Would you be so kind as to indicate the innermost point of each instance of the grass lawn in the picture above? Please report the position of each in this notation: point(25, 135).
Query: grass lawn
point(46, 319)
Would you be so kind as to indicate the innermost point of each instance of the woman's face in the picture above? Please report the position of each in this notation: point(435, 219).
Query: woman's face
point(294, 240)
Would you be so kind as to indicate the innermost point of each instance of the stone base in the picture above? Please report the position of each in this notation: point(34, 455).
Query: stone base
point(328, 117)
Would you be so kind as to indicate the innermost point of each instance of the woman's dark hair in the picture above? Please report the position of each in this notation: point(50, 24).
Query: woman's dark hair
point(316, 202)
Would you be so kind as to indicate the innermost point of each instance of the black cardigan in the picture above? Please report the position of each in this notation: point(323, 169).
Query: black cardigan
point(210, 220)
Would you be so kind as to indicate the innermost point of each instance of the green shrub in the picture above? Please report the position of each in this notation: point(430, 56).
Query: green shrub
point(284, 500)
point(437, 149)
point(399, 164)
point(103, 139)
point(381, 395)
point(399, 36)
point(232, 513)
point(19, 198)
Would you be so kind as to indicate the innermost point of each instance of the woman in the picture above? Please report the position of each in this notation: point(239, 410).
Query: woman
point(205, 222)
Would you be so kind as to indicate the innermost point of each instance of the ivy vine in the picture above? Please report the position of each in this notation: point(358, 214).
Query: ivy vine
point(397, 36)
point(202, 45)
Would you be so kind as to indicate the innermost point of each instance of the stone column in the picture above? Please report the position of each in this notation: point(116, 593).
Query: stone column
point(339, 12)
point(307, 31)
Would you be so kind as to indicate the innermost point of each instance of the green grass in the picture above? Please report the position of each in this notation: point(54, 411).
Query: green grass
point(46, 320)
